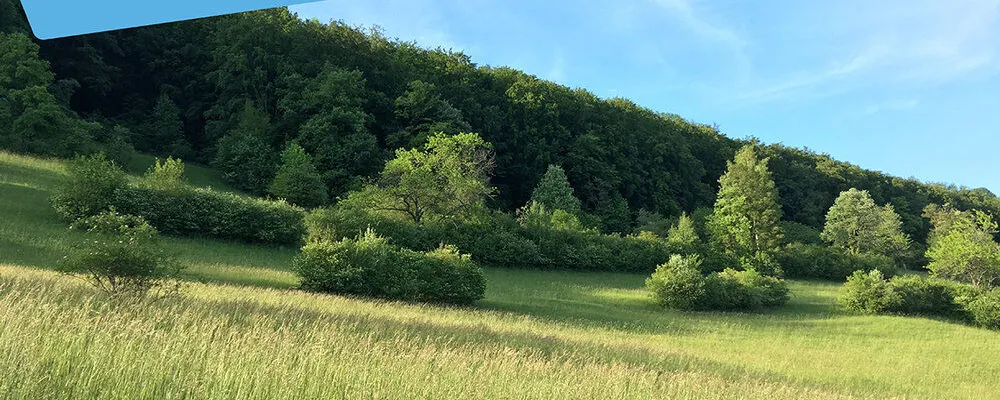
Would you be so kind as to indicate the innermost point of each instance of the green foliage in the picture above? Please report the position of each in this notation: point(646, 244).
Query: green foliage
point(443, 275)
point(297, 180)
point(370, 266)
point(856, 224)
point(96, 185)
point(678, 283)
point(121, 256)
point(811, 261)
point(332, 126)
point(985, 309)
point(683, 235)
point(926, 296)
point(449, 179)
point(90, 189)
point(421, 112)
point(166, 176)
point(652, 222)
point(746, 216)
point(243, 154)
point(795, 232)
point(32, 119)
point(117, 147)
point(748, 290)
point(205, 212)
point(540, 240)
point(963, 248)
point(555, 193)
point(868, 293)
point(165, 130)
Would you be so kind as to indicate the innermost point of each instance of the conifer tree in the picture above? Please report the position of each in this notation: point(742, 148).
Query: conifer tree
point(746, 216)
point(555, 193)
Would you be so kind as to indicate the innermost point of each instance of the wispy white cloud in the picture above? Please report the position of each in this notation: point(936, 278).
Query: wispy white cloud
point(914, 43)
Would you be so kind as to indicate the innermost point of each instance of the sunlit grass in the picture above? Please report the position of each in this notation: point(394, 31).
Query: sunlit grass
point(240, 331)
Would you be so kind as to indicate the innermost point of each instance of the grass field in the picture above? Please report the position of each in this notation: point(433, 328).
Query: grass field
point(242, 334)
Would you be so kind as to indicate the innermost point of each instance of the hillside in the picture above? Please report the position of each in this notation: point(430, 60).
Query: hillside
point(352, 96)
point(536, 335)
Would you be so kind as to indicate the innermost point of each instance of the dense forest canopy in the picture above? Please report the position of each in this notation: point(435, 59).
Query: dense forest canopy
point(350, 97)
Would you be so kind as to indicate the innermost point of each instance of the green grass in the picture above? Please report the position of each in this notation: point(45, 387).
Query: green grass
point(243, 334)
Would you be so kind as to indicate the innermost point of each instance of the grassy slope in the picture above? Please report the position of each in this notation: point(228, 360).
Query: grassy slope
point(537, 335)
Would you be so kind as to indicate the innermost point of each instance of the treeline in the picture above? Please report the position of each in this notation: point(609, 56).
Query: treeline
point(236, 91)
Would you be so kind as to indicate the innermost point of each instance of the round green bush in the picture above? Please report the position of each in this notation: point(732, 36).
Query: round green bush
point(868, 293)
point(90, 189)
point(370, 266)
point(985, 309)
point(925, 296)
point(678, 283)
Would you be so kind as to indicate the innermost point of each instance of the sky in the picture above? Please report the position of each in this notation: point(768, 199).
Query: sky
point(907, 87)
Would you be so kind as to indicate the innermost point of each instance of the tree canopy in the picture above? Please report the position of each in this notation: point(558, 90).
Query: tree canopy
point(855, 223)
point(746, 216)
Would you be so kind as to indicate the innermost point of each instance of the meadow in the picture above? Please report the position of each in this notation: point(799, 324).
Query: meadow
point(239, 330)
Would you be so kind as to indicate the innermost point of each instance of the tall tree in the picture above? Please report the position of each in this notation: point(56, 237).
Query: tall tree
point(964, 249)
point(297, 180)
point(555, 193)
point(746, 216)
point(31, 118)
point(448, 179)
point(244, 156)
point(334, 128)
point(855, 223)
point(165, 131)
point(421, 112)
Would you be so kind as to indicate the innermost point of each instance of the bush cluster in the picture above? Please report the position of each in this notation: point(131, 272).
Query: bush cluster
point(370, 266)
point(871, 293)
point(121, 256)
point(498, 239)
point(680, 284)
point(96, 185)
point(813, 261)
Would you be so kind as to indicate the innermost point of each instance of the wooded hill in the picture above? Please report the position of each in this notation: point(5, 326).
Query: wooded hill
point(210, 90)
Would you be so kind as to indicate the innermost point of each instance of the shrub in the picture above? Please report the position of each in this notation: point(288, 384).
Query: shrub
point(678, 283)
point(985, 309)
point(370, 266)
point(763, 263)
point(808, 261)
point(97, 185)
point(925, 296)
point(196, 211)
point(732, 290)
point(121, 256)
point(800, 233)
point(93, 181)
point(446, 276)
point(366, 266)
point(499, 240)
point(167, 175)
point(868, 293)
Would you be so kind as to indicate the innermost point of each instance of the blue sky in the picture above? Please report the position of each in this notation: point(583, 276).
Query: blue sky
point(908, 87)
